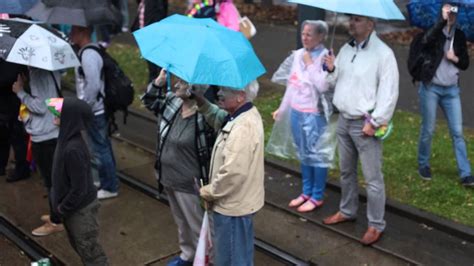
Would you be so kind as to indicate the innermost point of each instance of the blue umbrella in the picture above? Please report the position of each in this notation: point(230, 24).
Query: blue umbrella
point(200, 51)
point(384, 9)
point(16, 6)
point(425, 13)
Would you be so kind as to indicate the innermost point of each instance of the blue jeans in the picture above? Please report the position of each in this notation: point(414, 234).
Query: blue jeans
point(102, 153)
point(306, 129)
point(314, 181)
point(233, 240)
point(448, 99)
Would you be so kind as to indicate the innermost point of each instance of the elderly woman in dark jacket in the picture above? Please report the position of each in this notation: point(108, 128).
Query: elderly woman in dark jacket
point(184, 148)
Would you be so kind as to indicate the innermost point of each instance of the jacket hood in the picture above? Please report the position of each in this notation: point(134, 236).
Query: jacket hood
point(76, 115)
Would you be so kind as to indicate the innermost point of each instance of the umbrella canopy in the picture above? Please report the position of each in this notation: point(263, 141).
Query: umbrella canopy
point(16, 6)
point(425, 13)
point(37, 46)
point(76, 12)
point(384, 9)
point(200, 51)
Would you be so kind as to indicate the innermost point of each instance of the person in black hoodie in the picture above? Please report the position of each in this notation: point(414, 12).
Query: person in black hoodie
point(443, 52)
point(12, 132)
point(74, 195)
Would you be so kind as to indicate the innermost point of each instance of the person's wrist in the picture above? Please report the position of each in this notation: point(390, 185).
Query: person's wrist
point(159, 83)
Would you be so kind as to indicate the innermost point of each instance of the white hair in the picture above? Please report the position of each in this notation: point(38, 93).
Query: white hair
point(251, 90)
point(319, 26)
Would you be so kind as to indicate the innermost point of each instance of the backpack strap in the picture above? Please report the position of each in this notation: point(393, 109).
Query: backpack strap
point(81, 71)
point(58, 91)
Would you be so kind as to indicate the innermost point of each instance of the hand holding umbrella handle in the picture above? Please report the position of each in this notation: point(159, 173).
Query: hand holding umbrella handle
point(329, 59)
point(161, 79)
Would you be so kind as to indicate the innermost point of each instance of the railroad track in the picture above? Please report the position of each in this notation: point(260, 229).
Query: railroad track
point(24, 242)
point(418, 219)
point(145, 143)
point(152, 191)
point(261, 245)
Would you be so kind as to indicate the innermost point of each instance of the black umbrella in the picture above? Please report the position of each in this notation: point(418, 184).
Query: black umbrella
point(76, 12)
point(16, 6)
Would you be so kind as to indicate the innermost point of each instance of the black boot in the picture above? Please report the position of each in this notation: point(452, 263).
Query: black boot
point(19, 174)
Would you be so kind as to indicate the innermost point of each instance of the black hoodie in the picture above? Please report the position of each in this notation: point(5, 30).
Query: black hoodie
point(73, 187)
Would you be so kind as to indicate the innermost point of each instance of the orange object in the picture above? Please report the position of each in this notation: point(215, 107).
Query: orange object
point(29, 152)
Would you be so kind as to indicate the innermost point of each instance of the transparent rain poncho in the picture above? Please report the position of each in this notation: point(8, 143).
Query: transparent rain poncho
point(306, 97)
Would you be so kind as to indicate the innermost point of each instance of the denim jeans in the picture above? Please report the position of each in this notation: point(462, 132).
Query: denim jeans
point(448, 99)
point(314, 181)
point(102, 153)
point(306, 129)
point(233, 240)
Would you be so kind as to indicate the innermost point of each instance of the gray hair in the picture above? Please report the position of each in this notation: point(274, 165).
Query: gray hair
point(251, 90)
point(319, 26)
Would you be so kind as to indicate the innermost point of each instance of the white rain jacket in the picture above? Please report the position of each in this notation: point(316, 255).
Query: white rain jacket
point(366, 79)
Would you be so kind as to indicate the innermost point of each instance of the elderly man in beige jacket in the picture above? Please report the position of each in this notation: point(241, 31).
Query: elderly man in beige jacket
point(236, 190)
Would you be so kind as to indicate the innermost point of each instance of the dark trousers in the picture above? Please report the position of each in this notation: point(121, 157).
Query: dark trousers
point(82, 229)
point(43, 154)
point(12, 133)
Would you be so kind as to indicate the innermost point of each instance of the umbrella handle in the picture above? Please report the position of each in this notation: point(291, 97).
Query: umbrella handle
point(168, 80)
point(333, 32)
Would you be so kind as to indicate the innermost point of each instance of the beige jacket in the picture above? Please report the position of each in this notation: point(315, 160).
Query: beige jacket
point(237, 176)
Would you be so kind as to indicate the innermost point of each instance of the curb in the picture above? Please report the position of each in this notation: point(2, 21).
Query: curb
point(456, 229)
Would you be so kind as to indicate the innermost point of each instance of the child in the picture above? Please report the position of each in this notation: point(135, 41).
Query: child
point(74, 196)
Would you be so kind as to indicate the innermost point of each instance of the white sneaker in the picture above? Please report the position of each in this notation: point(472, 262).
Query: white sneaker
point(97, 184)
point(104, 194)
point(124, 29)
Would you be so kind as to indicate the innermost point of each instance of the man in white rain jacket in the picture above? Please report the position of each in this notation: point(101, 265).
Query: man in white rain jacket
point(365, 76)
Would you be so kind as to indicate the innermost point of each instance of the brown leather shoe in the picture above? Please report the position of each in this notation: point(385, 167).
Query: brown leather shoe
point(371, 236)
point(337, 218)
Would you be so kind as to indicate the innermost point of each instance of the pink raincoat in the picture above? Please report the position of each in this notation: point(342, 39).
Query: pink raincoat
point(228, 15)
point(306, 92)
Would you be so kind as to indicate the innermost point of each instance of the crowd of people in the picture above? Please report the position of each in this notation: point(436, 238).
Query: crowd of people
point(331, 103)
